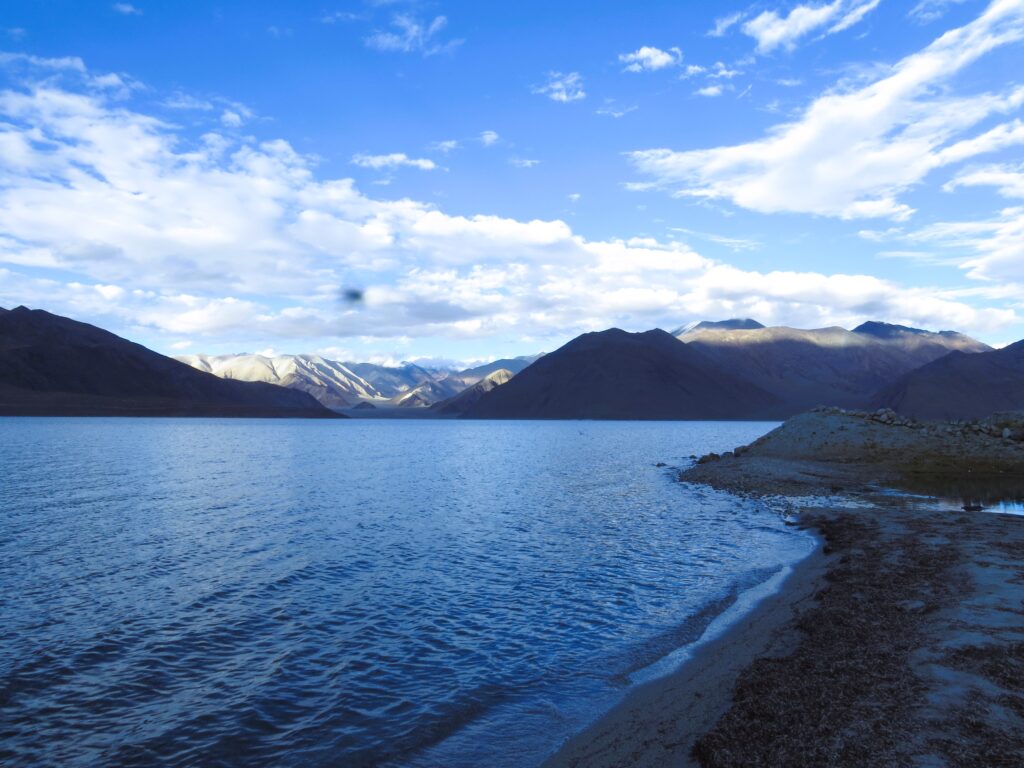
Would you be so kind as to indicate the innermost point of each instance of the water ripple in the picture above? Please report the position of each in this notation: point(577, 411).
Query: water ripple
point(193, 592)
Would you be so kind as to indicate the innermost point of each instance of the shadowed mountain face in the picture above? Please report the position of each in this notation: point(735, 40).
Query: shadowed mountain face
point(960, 386)
point(51, 365)
point(826, 366)
point(619, 375)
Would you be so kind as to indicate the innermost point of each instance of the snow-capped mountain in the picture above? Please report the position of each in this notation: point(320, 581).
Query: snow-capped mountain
point(332, 383)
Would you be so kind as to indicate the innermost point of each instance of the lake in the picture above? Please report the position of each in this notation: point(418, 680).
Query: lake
point(458, 593)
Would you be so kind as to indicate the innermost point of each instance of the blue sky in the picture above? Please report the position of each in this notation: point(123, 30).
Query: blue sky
point(499, 177)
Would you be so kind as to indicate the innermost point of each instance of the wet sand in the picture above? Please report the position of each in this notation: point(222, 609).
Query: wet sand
point(900, 642)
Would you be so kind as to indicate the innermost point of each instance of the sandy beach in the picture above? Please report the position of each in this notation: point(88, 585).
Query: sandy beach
point(899, 642)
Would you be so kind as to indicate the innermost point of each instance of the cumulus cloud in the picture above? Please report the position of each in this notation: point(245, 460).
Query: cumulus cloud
point(649, 59)
point(487, 138)
point(126, 9)
point(852, 152)
point(115, 216)
point(411, 35)
point(772, 30)
point(709, 90)
point(562, 87)
point(393, 160)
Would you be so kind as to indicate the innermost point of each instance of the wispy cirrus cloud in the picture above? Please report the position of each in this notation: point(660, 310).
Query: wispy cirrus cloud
point(852, 152)
point(412, 35)
point(393, 160)
point(927, 11)
point(772, 30)
point(126, 9)
point(562, 88)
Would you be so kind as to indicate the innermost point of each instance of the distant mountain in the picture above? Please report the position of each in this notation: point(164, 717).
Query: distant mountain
point(391, 381)
point(513, 365)
point(335, 384)
point(736, 324)
point(330, 382)
point(890, 331)
point(52, 365)
point(428, 393)
point(960, 386)
point(469, 397)
point(619, 375)
point(825, 366)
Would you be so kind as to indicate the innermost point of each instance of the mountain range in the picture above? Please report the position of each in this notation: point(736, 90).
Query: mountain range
point(825, 366)
point(343, 385)
point(960, 386)
point(618, 375)
point(52, 365)
point(733, 369)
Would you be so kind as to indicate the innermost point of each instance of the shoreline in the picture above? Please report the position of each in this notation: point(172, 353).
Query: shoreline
point(899, 641)
point(658, 721)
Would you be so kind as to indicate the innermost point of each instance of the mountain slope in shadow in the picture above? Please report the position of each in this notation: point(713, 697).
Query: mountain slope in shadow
point(960, 386)
point(52, 365)
point(824, 366)
point(617, 375)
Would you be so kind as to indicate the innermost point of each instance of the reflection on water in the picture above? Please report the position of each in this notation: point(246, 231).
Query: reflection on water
point(1002, 493)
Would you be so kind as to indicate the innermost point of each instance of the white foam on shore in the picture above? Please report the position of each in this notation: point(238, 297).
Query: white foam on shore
point(745, 602)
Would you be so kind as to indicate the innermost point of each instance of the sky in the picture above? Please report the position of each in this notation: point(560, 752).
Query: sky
point(401, 179)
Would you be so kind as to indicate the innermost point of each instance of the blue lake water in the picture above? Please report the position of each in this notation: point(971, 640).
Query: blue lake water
point(236, 592)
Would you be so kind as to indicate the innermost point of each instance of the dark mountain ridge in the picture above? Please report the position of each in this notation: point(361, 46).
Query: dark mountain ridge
point(825, 366)
point(960, 386)
point(618, 375)
point(52, 365)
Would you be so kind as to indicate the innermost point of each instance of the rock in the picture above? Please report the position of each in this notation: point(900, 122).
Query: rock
point(1007, 433)
point(708, 457)
point(661, 464)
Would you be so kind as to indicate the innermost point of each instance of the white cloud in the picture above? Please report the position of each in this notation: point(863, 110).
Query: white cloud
point(393, 160)
point(185, 101)
point(126, 9)
point(854, 15)
point(648, 58)
point(520, 162)
point(709, 90)
point(487, 138)
point(721, 72)
point(993, 249)
point(230, 118)
point(612, 110)
point(1008, 179)
point(562, 87)
point(334, 17)
point(413, 36)
point(239, 241)
point(929, 10)
point(772, 31)
point(574, 197)
point(851, 153)
point(724, 24)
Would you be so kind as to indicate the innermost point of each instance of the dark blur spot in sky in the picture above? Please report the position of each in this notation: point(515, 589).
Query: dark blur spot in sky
point(352, 295)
